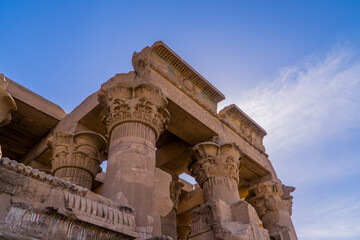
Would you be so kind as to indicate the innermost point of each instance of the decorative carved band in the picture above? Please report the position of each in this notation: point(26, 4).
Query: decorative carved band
point(242, 124)
point(40, 225)
point(141, 102)
point(72, 200)
point(41, 176)
point(201, 220)
point(134, 129)
point(77, 157)
point(123, 216)
point(188, 72)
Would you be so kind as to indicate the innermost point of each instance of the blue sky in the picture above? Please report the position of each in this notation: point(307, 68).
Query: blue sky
point(294, 66)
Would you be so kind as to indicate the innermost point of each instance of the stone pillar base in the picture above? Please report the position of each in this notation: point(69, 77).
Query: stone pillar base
point(219, 220)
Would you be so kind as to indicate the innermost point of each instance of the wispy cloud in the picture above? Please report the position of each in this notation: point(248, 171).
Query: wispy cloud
point(305, 110)
point(308, 102)
point(336, 220)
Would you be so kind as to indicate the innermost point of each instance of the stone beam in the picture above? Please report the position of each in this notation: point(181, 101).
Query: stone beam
point(185, 95)
point(242, 124)
point(189, 200)
point(36, 101)
point(186, 78)
point(170, 151)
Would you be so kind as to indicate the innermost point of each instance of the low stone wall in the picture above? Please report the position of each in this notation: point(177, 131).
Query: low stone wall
point(36, 205)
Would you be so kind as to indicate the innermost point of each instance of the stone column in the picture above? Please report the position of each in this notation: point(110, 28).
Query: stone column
point(168, 223)
point(135, 116)
point(223, 215)
point(216, 169)
point(77, 158)
point(273, 204)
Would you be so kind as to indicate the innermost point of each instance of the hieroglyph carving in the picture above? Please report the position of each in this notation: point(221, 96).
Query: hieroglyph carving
point(77, 158)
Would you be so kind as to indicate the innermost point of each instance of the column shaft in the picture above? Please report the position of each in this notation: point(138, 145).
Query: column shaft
point(135, 116)
point(131, 165)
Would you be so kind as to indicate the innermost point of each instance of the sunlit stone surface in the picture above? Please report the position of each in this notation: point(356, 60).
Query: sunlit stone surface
point(151, 125)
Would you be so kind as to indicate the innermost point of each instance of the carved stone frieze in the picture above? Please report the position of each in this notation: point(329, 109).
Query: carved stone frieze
point(216, 165)
point(243, 125)
point(77, 158)
point(42, 206)
point(141, 102)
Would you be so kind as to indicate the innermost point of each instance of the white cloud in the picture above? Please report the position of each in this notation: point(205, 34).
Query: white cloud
point(338, 219)
point(307, 103)
point(304, 110)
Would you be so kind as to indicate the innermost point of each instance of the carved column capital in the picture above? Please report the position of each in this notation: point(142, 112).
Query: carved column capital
point(134, 102)
point(273, 202)
point(214, 160)
point(216, 164)
point(270, 196)
point(77, 158)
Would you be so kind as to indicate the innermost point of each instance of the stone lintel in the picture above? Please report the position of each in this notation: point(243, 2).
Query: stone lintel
point(166, 53)
point(27, 96)
point(242, 124)
point(178, 72)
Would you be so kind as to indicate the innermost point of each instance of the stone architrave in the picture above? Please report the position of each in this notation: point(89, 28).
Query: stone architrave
point(223, 215)
point(135, 116)
point(7, 103)
point(77, 158)
point(273, 204)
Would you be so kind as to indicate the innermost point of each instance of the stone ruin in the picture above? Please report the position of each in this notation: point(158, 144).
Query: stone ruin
point(150, 125)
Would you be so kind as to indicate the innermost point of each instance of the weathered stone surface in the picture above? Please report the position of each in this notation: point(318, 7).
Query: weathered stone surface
point(168, 222)
point(40, 206)
point(223, 215)
point(216, 169)
point(273, 204)
point(77, 158)
point(135, 115)
point(132, 111)
point(235, 118)
point(219, 220)
point(7, 103)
